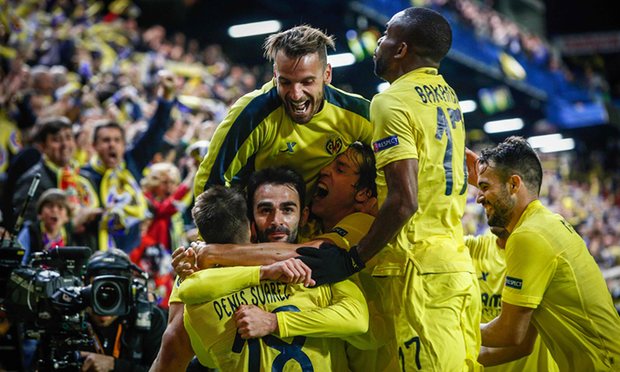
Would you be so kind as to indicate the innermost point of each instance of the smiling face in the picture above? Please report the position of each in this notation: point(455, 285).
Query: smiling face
point(301, 82)
point(277, 213)
point(59, 147)
point(495, 197)
point(110, 146)
point(336, 189)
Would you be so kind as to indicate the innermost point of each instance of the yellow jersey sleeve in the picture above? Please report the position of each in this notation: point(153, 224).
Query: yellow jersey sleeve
point(349, 231)
point(210, 284)
point(236, 138)
point(174, 295)
point(393, 135)
point(530, 265)
point(479, 244)
point(346, 315)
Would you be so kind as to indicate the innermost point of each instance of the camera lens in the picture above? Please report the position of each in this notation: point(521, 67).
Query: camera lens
point(108, 296)
point(111, 295)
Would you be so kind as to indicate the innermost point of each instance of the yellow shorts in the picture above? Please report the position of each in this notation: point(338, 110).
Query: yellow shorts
point(436, 319)
point(376, 350)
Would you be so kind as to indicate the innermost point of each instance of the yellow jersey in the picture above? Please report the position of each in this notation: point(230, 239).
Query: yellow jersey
point(549, 269)
point(424, 122)
point(258, 133)
point(310, 321)
point(369, 351)
point(490, 262)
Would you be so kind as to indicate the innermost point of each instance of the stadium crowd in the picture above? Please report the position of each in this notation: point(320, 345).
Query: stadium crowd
point(115, 120)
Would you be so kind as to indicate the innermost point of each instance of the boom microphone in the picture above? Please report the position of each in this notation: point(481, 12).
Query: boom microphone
point(20, 219)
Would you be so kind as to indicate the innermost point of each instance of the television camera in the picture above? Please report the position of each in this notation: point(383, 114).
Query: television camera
point(48, 298)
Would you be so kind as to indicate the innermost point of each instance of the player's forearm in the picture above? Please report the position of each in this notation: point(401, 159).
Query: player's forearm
point(347, 315)
point(511, 328)
point(244, 255)
point(208, 285)
point(492, 356)
point(492, 335)
point(393, 215)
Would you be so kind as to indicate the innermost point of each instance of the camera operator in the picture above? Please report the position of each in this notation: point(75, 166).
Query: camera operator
point(120, 343)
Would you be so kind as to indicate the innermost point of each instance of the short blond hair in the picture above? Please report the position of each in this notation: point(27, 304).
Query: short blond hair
point(152, 179)
point(299, 41)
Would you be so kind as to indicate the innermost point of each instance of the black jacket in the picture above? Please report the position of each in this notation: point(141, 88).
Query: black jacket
point(138, 349)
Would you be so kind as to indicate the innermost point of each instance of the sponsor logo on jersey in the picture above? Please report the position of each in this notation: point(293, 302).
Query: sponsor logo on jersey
point(340, 231)
point(515, 283)
point(333, 145)
point(385, 143)
point(289, 147)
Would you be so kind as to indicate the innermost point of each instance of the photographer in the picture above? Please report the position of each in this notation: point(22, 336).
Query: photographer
point(122, 343)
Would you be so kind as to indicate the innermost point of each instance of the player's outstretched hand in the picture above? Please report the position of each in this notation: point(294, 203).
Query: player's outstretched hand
point(253, 322)
point(291, 271)
point(330, 263)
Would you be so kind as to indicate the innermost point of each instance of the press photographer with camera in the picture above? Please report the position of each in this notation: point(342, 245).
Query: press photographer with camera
point(126, 342)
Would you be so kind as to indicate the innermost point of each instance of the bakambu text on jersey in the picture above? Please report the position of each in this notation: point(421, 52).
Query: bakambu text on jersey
point(435, 93)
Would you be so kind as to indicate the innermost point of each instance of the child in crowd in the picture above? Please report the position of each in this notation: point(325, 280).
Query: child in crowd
point(52, 228)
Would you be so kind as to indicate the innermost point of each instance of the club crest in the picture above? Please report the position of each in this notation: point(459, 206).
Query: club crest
point(333, 145)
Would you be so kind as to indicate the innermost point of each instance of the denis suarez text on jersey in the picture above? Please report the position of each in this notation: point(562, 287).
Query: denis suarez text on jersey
point(267, 292)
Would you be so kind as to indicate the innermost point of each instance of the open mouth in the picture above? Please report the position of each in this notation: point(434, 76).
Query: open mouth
point(321, 191)
point(299, 108)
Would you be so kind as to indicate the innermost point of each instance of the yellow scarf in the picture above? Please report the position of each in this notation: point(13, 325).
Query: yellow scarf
point(122, 200)
point(80, 193)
